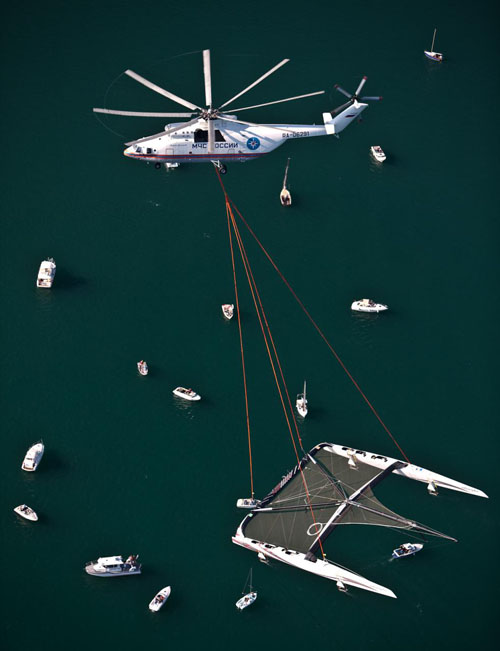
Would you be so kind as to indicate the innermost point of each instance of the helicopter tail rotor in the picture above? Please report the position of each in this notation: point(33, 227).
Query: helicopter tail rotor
point(354, 98)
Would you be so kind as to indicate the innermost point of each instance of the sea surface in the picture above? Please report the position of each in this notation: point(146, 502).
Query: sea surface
point(143, 265)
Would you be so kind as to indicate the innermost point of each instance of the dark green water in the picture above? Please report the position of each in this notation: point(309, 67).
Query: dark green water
point(143, 266)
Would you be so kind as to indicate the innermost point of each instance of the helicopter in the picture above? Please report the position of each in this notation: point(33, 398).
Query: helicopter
point(217, 136)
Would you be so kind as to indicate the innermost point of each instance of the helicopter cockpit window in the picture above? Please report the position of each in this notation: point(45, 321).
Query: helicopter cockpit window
point(201, 135)
point(138, 149)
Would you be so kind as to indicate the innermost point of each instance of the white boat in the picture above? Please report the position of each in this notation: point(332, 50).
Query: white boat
point(160, 598)
point(46, 273)
point(25, 512)
point(407, 549)
point(142, 367)
point(378, 153)
point(430, 54)
point(301, 402)
point(33, 457)
point(113, 566)
point(247, 503)
point(341, 482)
point(285, 196)
point(367, 305)
point(187, 394)
point(249, 598)
point(228, 310)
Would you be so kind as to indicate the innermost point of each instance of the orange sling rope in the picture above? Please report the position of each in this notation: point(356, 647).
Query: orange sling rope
point(268, 329)
point(241, 348)
point(374, 411)
point(254, 291)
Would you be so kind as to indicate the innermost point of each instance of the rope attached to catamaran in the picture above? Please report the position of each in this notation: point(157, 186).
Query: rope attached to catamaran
point(322, 335)
point(262, 318)
point(241, 348)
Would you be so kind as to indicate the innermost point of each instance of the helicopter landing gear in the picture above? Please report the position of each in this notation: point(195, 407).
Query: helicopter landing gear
point(220, 166)
point(157, 166)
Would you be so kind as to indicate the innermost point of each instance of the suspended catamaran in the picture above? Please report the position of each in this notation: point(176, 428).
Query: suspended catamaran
point(331, 485)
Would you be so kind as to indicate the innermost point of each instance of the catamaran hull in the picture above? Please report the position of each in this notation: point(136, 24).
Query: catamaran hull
point(326, 569)
point(408, 470)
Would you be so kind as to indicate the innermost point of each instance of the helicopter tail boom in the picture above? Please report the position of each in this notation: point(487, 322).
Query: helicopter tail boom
point(335, 125)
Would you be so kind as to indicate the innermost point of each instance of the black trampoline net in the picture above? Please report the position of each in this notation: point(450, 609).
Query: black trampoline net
point(330, 483)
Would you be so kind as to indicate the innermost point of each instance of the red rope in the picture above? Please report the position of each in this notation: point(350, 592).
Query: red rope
point(228, 209)
point(255, 292)
point(332, 350)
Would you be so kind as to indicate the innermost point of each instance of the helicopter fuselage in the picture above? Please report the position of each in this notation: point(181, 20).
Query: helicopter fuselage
point(240, 143)
point(233, 141)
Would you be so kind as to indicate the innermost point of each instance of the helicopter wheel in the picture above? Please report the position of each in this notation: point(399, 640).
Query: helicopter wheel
point(223, 169)
point(157, 166)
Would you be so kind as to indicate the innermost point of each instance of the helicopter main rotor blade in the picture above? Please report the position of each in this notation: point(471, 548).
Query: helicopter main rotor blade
point(160, 90)
point(341, 90)
point(374, 99)
point(208, 78)
point(341, 108)
point(163, 133)
point(362, 83)
point(211, 137)
point(142, 114)
point(278, 101)
point(245, 90)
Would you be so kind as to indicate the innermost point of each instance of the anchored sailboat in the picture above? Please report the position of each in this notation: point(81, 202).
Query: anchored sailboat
point(430, 54)
point(332, 485)
point(285, 196)
point(248, 598)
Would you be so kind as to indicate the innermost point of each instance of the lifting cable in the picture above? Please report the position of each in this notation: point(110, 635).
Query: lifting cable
point(254, 292)
point(332, 350)
point(241, 349)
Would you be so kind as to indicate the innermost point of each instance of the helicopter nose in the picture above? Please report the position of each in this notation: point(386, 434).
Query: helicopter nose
point(128, 151)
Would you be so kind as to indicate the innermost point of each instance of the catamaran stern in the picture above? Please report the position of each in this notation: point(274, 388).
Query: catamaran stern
point(324, 568)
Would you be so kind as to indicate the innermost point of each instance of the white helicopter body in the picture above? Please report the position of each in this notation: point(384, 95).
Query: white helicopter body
point(236, 143)
point(218, 137)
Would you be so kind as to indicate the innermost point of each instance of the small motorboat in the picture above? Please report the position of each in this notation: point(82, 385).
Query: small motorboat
point(187, 394)
point(247, 503)
point(367, 305)
point(33, 457)
point(113, 566)
point(285, 196)
point(46, 273)
point(228, 310)
point(407, 549)
point(378, 153)
point(157, 602)
point(25, 512)
point(301, 402)
point(430, 54)
point(249, 598)
point(142, 367)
